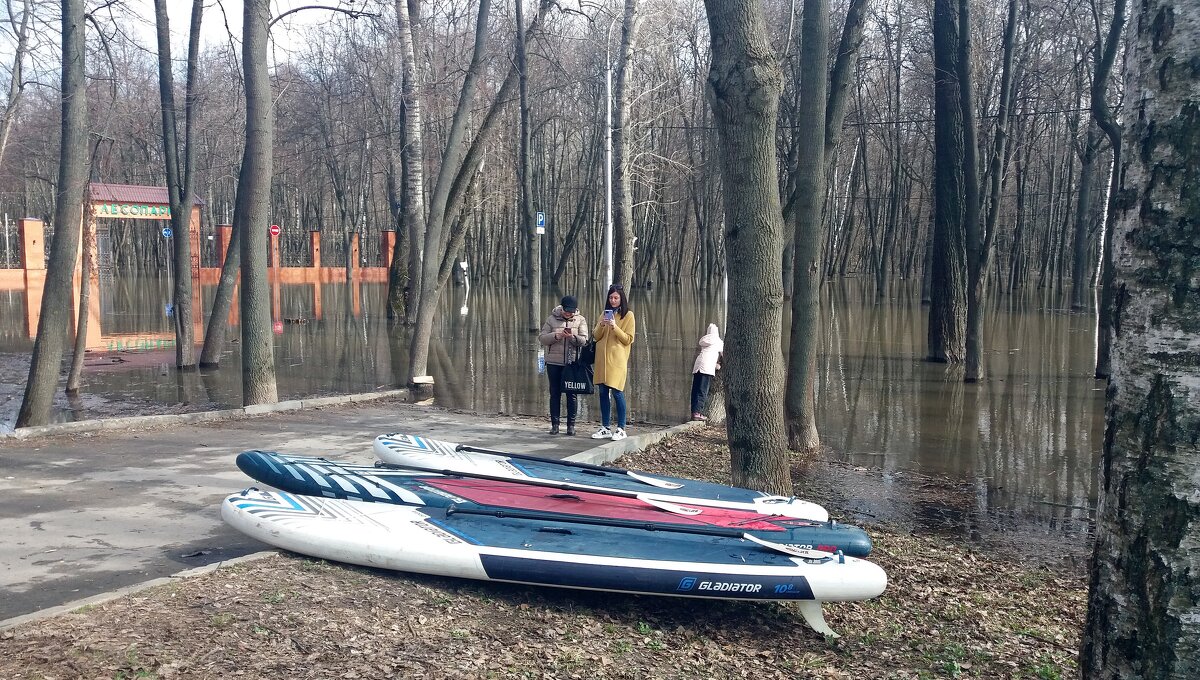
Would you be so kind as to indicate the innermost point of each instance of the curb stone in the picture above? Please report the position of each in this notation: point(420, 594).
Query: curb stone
point(606, 453)
point(103, 424)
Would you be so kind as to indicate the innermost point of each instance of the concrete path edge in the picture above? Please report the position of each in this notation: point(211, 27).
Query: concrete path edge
point(607, 453)
point(102, 424)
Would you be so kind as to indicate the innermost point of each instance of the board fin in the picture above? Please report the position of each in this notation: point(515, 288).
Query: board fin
point(815, 618)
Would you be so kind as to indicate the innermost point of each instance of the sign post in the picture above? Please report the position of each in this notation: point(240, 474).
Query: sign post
point(541, 223)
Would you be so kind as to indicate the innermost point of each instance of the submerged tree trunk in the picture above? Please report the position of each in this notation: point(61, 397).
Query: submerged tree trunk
point(948, 285)
point(250, 214)
point(414, 191)
point(87, 265)
point(1080, 280)
point(1104, 118)
point(442, 199)
point(68, 220)
point(980, 231)
point(218, 321)
point(744, 86)
point(1143, 616)
point(179, 174)
point(526, 227)
point(622, 187)
point(810, 182)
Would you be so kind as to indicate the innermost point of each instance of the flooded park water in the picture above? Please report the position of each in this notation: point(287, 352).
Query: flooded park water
point(1018, 449)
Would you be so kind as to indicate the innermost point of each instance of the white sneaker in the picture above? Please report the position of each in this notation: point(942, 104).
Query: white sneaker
point(603, 433)
point(618, 434)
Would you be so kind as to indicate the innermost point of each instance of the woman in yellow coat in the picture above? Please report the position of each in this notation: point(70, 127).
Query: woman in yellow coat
point(614, 334)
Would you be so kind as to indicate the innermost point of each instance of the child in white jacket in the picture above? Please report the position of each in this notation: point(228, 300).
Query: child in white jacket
point(708, 358)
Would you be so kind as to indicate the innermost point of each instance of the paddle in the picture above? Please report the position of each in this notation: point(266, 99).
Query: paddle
point(502, 513)
point(561, 486)
point(569, 486)
point(600, 469)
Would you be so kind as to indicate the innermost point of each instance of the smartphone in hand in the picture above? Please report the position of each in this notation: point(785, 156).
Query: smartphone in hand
point(608, 314)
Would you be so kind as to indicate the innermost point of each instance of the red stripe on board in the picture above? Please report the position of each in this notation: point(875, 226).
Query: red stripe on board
point(527, 497)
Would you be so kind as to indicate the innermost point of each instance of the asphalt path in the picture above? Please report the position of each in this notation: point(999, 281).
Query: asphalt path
point(94, 512)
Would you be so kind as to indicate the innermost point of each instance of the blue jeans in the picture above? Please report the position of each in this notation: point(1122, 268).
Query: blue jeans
point(619, 397)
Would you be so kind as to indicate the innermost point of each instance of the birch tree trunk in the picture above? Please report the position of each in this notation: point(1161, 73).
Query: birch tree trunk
point(1143, 616)
point(452, 162)
point(622, 189)
point(250, 213)
point(744, 86)
point(1103, 116)
point(68, 221)
point(413, 156)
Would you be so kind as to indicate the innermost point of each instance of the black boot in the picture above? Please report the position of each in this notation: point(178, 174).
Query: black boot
point(553, 427)
point(570, 428)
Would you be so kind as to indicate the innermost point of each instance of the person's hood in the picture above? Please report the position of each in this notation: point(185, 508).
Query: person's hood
point(557, 313)
point(713, 330)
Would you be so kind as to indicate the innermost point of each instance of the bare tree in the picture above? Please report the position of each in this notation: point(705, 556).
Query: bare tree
point(459, 162)
point(1142, 617)
point(68, 221)
point(16, 83)
point(953, 182)
point(250, 215)
point(180, 175)
point(744, 85)
point(533, 242)
point(622, 162)
point(1103, 115)
point(809, 187)
point(980, 233)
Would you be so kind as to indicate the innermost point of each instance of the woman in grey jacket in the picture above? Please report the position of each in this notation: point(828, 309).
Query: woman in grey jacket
point(564, 332)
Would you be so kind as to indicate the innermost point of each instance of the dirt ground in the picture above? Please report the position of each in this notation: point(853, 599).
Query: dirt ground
point(950, 610)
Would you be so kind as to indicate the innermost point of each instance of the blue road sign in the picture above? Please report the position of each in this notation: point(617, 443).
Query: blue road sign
point(167, 232)
point(541, 219)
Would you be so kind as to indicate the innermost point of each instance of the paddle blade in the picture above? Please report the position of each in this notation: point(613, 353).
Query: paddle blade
point(670, 507)
point(803, 553)
point(660, 483)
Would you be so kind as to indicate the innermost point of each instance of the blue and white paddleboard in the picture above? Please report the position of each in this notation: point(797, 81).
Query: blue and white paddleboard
point(527, 548)
point(440, 456)
point(332, 479)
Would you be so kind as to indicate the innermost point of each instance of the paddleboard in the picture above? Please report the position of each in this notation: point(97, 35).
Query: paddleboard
point(332, 479)
point(529, 549)
point(441, 456)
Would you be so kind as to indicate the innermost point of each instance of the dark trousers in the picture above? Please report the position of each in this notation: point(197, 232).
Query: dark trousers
point(554, 375)
point(700, 384)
